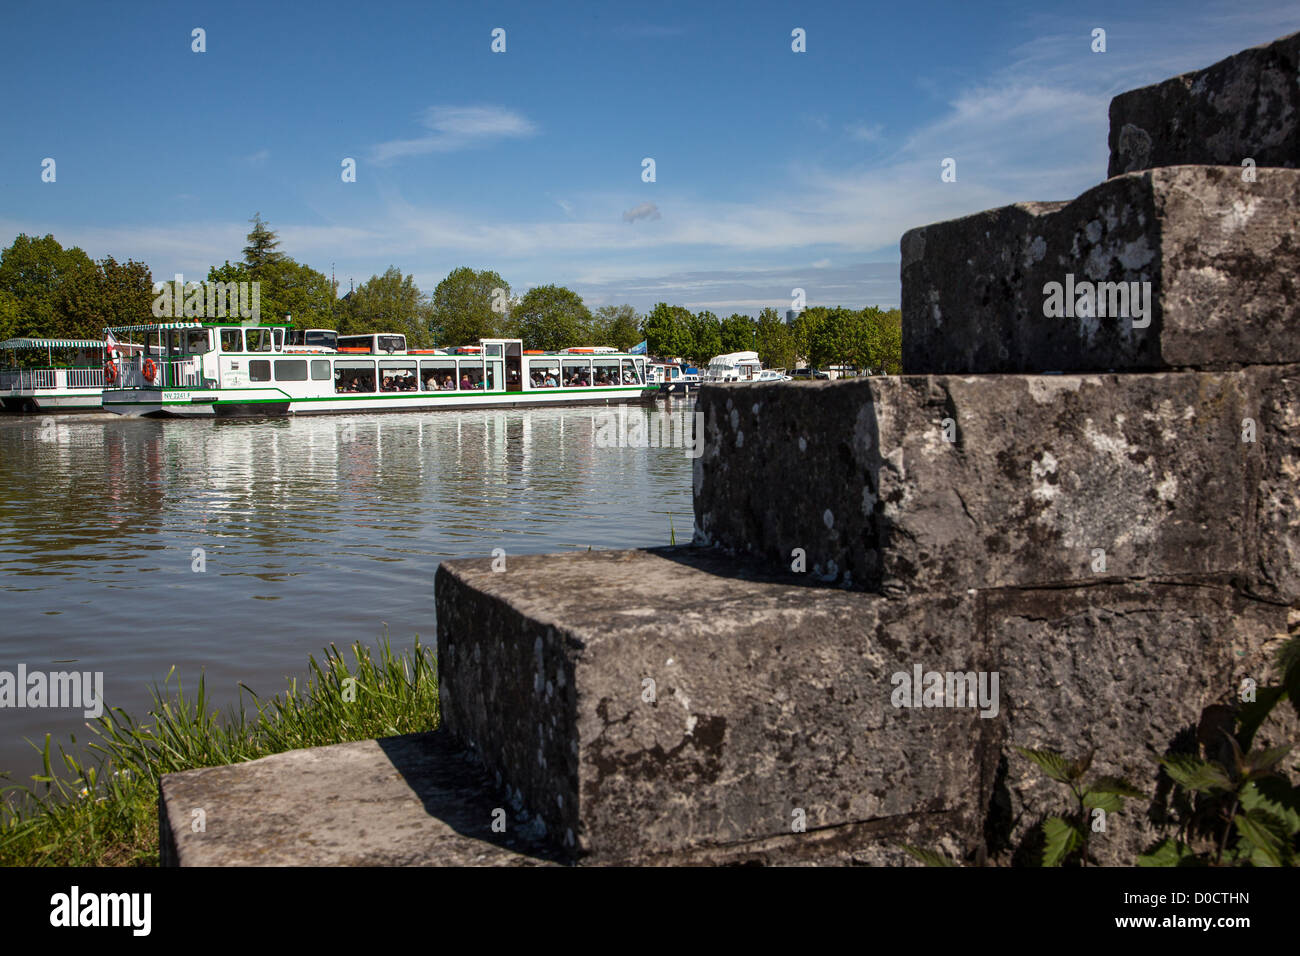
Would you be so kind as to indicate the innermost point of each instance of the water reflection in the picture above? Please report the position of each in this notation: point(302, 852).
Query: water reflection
point(312, 530)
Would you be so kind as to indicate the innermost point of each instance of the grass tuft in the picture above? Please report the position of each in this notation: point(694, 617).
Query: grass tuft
point(103, 810)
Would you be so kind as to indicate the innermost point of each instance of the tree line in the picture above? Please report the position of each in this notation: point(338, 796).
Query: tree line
point(49, 291)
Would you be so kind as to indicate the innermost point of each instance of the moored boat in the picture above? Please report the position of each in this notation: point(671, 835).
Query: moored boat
point(195, 370)
point(71, 379)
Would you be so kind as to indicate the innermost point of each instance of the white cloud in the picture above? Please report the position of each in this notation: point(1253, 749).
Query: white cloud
point(453, 128)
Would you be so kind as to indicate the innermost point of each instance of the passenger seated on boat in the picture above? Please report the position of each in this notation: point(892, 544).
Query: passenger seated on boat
point(550, 381)
point(464, 382)
point(448, 385)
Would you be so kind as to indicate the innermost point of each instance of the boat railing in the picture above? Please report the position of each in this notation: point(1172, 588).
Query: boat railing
point(168, 373)
point(35, 379)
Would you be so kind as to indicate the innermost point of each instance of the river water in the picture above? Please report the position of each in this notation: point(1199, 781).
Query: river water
point(312, 531)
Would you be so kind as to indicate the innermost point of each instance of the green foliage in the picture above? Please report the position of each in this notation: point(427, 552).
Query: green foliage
point(617, 326)
point(706, 337)
point(462, 307)
point(46, 290)
point(666, 329)
point(929, 857)
point(288, 288)
point(774, 341)
point(737, 332)
point(391, 302)
point(262, 248)
point(552, 317)
point(1065, 837)
point(104, 811)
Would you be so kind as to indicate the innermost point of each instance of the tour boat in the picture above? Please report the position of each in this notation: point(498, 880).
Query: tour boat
point(71, 379)
point(205, 369)
point(672, 379)
point(741, 367)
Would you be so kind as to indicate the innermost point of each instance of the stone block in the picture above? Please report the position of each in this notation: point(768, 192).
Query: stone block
point(1245, 106)
point(399, 801)
point(942, 483)
point(674, 705)
point(1128, 672)
point(1210, 265)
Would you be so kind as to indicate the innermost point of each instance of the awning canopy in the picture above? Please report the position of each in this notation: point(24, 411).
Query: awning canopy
point(154, 326)
point(25, 343)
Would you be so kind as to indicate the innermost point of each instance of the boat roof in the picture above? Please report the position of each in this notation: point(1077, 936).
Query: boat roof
point(233, 323)
point(30, 343)
point(732, 358)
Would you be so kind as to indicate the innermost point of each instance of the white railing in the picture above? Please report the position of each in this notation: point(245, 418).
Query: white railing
point(174, 373)
point(35, 379)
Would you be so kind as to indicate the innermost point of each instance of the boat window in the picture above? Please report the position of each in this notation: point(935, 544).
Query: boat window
point(259, 370)
point(259, 340)
point(439, 375)
point(392, 343)
point(320, 370)
point(544, 373)
point(278, 335)
point(291, 370)
point(605, 372)
point(397, 377)
point(354, 376)
point(496, 377)
point(320, 338)
point(576, 373)
point(494, 350)
point(632, 374)
point(195, 341)
point(232, 340)
point(471, 375)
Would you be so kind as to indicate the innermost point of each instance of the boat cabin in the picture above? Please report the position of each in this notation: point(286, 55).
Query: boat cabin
point(40, 374)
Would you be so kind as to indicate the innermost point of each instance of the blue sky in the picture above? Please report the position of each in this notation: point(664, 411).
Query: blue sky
point(774, 169)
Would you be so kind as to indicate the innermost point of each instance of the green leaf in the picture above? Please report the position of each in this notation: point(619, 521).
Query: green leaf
point(1262, 762)
point(929, 857)
point(1265, 833)
point(1196, 774)
point(1050, 762)
point(1168, 852)
point(1116, 785)
point(1276, 797)
point(1061, 839)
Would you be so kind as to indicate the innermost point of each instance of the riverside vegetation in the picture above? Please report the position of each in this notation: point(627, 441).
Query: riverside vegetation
point(49, 291)
point(101, 809)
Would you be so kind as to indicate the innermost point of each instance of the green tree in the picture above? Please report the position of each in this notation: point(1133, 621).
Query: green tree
point(126, 294)
point(55, 288)
point(737, 333)
point(10, 316)
point(262, 247)
point(666, 329)
point(773, 340)
point(470, 305)
point(617, 326)
point(706, 337)
point(392, 302)
point(552, 317)
point(804, 330)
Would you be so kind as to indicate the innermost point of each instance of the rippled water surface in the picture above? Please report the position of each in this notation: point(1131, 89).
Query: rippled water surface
point(314, 530)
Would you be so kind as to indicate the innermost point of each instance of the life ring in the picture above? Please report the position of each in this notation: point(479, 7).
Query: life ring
point(149, 370)
point(110, 372)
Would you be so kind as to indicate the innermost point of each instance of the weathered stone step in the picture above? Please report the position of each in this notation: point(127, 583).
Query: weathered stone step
point(675, 705)
point(399, 801)
point(942, 483)
point(1244, 107)
point(1203, 269)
